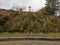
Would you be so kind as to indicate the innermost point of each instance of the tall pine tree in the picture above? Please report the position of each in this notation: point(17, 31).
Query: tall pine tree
point(50, 7)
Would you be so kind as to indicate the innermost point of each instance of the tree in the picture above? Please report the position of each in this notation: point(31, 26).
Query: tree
point(18, 8)
point(29, 8)
point(50, 7)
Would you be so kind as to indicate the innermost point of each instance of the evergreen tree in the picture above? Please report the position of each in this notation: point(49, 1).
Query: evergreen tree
point(50, 7)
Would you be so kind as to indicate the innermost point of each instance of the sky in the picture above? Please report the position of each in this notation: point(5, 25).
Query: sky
point(35, 4)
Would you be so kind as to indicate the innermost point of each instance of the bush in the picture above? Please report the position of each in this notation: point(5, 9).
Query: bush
point(3, 19)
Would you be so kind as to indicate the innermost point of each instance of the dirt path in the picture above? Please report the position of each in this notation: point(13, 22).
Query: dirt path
point(30, 42)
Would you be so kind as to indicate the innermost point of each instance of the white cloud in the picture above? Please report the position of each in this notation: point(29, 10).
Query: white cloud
point(35, 4)
point(5, 3)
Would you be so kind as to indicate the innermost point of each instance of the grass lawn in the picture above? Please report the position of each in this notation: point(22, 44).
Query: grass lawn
point(29, 34)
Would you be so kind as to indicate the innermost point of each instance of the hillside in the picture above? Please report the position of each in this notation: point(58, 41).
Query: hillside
point(27, 22)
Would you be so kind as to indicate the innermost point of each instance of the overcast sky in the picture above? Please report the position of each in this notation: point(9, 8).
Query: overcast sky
point(35, 4)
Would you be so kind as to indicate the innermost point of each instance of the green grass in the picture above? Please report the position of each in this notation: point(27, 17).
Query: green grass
point(29, 34)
